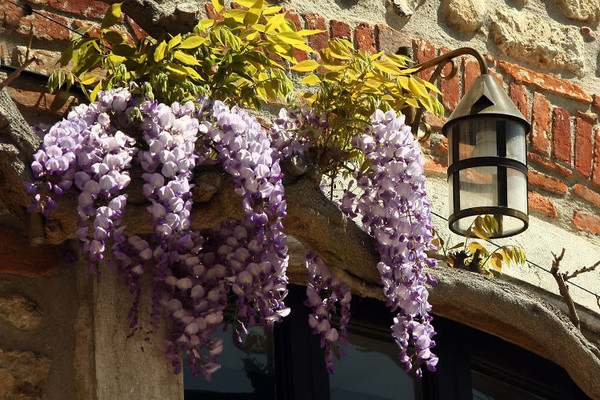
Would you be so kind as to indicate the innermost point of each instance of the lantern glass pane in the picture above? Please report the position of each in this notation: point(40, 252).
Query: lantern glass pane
point(517, 190)
point(476, 138)
point(515, 141)
point(478, 187)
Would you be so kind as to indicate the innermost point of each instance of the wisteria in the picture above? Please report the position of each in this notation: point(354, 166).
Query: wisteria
point(327, 296)
point(394, 209)
point(197, 274)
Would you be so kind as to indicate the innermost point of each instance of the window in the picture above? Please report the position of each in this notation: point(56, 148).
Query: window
point(287, 364)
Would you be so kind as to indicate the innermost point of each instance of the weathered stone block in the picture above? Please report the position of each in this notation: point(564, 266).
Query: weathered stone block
point(581, 10)
point(20, 312)
point(464, 15)
point(23, 374)
point(537, 41)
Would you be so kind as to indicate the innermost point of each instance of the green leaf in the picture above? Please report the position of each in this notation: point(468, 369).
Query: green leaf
point(88, 79)
point(160, 51)
point(185, 58)
point(192, 42)
point(114, 37)
point(271, 10)
point(306, 66)
point(218, 5)
point(175, 40)
point(275, 22)
point(311, 79)
point(387, 67)
point(112, 16)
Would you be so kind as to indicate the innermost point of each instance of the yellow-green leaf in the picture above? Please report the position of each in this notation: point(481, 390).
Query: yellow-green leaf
point(185, 58)
point(192, 42)
point(474, 246)
point(205, 23)
point(112, 16)
point(311, 79)
point(88, 79)
point(496, 261)
point(308, 32)
point(114, 37)
point(387, 66)
point(376, 56)
point(159, 52)
point(115, 58)
point(275, 22)
point(306, 66)
point(237, 15)
point(94, 93)
point(218, 5)
point(175, 40)
point(310, 97)
point(271, 10)
point(246, 3)
point(480, 232)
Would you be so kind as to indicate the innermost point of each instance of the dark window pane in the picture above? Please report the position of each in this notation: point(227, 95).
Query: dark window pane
point(371, 371)
point(247, 370)
point(489, 388)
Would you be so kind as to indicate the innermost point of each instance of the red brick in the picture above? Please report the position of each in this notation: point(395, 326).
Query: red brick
point(434, 168)
point(587, 194)
point(596, 103)
point(541, 204)
point(14, 19)
point(364, 37)
point(315, 21)
point(340, 29)
point(592, 118)
point(450, 88)
point(19, 258)
point(471, 70)
point(424, 51)
point(518, 94)
point(443, 145)
point(546, 182)
point(596, 167)
point(300, 55)
point(583, 148)
point(137, 30)
point(546, 82)
point(546, 163)
point(86, 8)
point(561, 135)
point(390, 40)
point(586, 222)
point(540, 125)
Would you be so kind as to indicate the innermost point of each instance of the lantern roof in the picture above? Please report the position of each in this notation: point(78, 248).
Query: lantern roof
point(486, 97)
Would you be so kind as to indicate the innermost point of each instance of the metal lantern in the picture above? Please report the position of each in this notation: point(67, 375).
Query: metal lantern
point(487, 160)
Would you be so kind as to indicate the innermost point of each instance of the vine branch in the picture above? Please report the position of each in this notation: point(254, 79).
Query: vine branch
point(561, 279)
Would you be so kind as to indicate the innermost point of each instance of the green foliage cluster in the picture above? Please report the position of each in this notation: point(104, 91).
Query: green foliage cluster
point(351, 85)
point(473, 256)
point(238, 58)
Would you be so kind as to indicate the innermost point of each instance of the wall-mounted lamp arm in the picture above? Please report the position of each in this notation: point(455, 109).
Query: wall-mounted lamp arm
point(440, 63)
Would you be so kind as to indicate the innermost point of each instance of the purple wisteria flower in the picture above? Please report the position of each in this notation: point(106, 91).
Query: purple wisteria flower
point(255, 251)
point(395, 210)
point(327, 296)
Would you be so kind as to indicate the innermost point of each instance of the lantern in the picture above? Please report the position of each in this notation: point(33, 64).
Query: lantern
point(487, 160)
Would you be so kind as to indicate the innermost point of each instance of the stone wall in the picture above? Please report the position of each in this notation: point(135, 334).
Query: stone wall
point(545, 53)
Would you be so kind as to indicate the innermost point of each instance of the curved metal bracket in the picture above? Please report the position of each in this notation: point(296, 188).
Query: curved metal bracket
point(440, 63)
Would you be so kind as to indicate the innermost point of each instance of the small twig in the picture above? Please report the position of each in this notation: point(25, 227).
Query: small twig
point(563, 288)
point(14, 75)
point(581, 271)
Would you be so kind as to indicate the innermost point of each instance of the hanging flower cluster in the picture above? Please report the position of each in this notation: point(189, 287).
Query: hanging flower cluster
point(195, 272)
point(395, 210)
point(327, 296)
